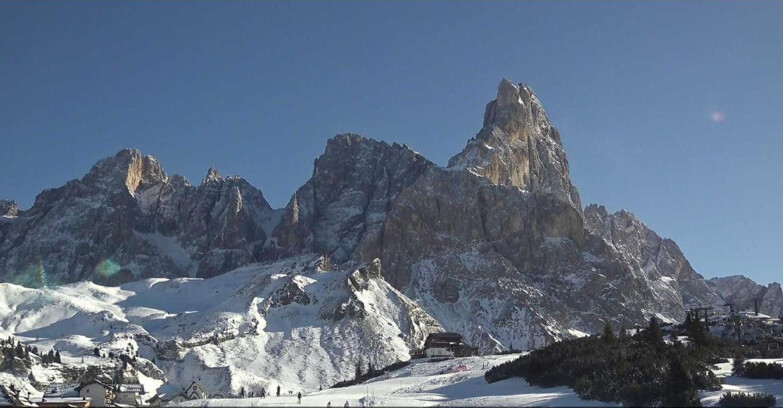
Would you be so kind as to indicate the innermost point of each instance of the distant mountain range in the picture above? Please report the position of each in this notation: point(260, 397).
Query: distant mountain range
point(496, 245)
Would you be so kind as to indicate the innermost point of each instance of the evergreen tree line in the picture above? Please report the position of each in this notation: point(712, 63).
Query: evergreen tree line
point(638, 370)
point(12, 349)
point(757, 370)
point(741, 399)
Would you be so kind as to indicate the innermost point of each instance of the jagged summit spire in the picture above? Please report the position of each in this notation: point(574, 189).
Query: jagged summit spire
point(508, 93)
point(212, 175)
point(517, 146)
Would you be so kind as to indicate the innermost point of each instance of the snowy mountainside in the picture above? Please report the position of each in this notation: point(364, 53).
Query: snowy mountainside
point(287, 323)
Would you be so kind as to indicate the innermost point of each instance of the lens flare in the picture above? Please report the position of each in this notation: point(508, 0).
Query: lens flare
point(107, 268)
point(717, 116)
point(33, 276)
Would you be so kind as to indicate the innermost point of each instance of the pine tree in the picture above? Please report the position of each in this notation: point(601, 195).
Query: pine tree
point(738, 366)
point(680, 389)
point(19, 350)
point(358, 373)
point(623, 335)
point(654, 334)
point(96, 351)
point(57, 358)
point(608, 334)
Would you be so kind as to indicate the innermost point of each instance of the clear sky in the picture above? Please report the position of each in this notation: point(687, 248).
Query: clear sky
point(670, 110)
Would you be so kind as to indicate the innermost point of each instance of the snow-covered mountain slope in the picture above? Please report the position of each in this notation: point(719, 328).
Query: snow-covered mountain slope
point(288, 323)
point(741, 292)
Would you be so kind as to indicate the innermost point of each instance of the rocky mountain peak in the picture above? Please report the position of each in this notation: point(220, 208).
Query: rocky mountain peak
point(129, 167)
point(8, 208)
point(517, 146)
point(212, 175)
point(342, 209)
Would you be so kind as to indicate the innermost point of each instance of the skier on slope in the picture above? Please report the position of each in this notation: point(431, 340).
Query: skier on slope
point(299, 396)
point(263, 392)
point(278, 390)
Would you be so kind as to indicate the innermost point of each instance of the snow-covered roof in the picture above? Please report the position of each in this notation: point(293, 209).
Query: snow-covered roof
point(131, 388)
point(104, 385)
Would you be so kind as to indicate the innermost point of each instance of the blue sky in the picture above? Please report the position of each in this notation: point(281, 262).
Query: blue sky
point(671, 110)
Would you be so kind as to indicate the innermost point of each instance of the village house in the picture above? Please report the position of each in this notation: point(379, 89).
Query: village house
point(193, 392)
point(447, 345)
point(101, 394)
point(63, 395)
point(129, 394)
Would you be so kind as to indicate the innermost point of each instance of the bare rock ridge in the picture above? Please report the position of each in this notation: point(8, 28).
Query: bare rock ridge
point(495, 246)
point(342, 209)
point(660, 259)
point(741, 292)
point(126, 219)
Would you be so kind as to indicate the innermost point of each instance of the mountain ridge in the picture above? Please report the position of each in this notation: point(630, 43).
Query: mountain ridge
point(495, 245)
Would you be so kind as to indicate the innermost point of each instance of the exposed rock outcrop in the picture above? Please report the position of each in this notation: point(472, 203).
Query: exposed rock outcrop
point(661, 261)
point(517, 146)
point(343, 207)
point(741, 291)
point(126, 219)
point(9, 208)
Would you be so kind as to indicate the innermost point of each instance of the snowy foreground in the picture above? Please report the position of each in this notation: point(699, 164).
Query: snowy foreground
point(460, 382)
point(749, 385)
point(457, 382)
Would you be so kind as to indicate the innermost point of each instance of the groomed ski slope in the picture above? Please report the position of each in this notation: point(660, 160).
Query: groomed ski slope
point(460, 382)
point(456, 382)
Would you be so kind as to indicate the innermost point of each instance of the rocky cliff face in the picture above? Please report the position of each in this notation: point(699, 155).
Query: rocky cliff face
point(517, 146)
point(659, 259)
point(741, 291)
point(342, 209)
point(126, 219)
point(495, 246)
